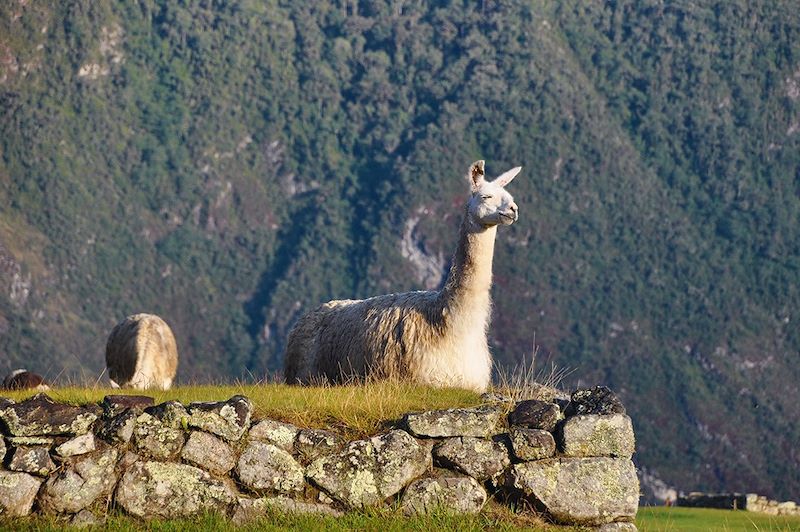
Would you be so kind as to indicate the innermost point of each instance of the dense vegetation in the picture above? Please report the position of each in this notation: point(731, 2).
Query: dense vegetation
point(229, 165)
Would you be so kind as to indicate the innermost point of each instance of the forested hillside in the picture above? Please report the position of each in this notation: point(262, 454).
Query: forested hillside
point(230, 165)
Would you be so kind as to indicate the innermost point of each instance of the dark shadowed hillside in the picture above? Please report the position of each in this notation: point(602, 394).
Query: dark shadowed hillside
point(229, 165)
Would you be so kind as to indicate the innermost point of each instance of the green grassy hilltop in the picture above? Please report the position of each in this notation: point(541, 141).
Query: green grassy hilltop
point(231, 165)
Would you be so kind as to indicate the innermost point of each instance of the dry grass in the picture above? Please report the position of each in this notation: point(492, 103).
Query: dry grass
point(358, 409)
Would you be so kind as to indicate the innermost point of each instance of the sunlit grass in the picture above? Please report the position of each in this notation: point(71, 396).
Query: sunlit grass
point(677, 519)
point(356, 408)
point(494, 517)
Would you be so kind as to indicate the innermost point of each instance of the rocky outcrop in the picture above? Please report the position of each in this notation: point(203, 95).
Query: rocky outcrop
point(170, 461)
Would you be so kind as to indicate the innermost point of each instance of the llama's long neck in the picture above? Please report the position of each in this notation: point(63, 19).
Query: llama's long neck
point(465, 296)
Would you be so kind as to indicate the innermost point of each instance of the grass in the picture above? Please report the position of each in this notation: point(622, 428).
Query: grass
point(663, 519)
point(494, 517)
point(356, 410)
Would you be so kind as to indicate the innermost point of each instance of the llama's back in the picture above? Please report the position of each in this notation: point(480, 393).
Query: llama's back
point(141, 352)
point(354, 338)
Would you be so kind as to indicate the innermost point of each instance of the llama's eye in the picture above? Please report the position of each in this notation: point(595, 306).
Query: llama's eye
point(486, 196)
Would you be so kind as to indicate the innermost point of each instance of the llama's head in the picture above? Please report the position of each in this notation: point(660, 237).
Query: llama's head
point(490, 203)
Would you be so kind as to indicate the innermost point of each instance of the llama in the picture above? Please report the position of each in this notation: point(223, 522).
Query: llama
point(141, 353)
point(22, 379)
point(427, 337)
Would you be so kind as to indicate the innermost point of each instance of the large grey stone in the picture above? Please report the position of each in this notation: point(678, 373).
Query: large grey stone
point(595, 435)
point(477, 457)
point(119, 429)
point(80, 482)
point(113, 405)
point(536, 414)
point(208, 452)
point(449, 492)
point(531, 444)
point(228, 419)
point(41, 416)
point(156, 439)
point(265, 467)
point(34, 460)
point(169, 490)
point(275, 432)
point(583, 491)
point(249, 509)
point(85, 443)
point(170, 413)
point(368, 471)
point(482, 421)
point(313, 443)
point(597, 400)
point(17, 493)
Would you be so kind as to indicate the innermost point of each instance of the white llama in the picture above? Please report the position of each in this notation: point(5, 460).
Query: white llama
point(141, 352)
point(436, 338)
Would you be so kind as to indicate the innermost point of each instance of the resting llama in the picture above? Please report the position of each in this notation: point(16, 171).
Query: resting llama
point(141, 353)
point(436, 338)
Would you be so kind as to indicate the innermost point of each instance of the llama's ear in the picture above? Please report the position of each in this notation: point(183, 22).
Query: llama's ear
point(506, 177)
point(476, 174)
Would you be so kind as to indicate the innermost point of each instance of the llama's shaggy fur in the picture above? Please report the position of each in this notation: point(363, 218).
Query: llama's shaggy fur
point(141, 353)
point(22, 379)
point(436, 338)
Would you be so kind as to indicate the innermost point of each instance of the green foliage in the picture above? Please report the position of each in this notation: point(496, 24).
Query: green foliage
point(232, 165)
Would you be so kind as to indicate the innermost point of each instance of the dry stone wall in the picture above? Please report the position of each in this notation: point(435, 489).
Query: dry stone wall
point(569, 461)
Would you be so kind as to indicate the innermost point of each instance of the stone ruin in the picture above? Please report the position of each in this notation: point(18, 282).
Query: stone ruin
point(751, 502)
point(569, 460)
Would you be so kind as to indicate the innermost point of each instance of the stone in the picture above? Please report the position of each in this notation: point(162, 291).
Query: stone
point(113, 405)
point(17, 493)
point(536, 415)
point(80, 483)
point(85, 519)
point(618, 527)
point(22, 441)
point(597, 435)
point(156, 439)
point(275, 432)
point(85, 443)
point(531, 444)
point(170, 413)
point(2, 451)
point(228, 419)
point(482, 421)
point(41, 416)
point(266, 467)
point(366, 472)
point(250, 509)
point(208, 452)
point(449, 492)
point(314, 443)
point(597, 400)
point(169, 490)
point(34, 460)
point(119, 429)
point(127, 460)
point(579, 491)
point(477, 457)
